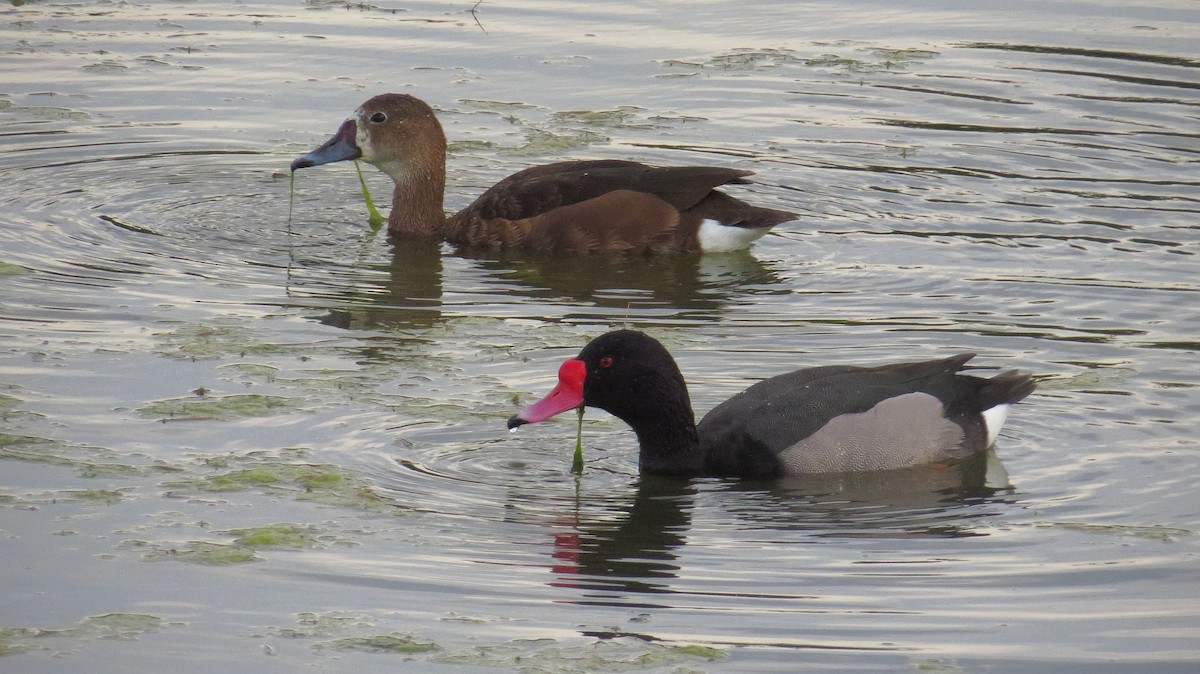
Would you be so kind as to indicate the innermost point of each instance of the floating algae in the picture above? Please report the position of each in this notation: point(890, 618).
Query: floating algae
point(274, 536)
point(218, 408)
point(382, 643)
point(194, 552)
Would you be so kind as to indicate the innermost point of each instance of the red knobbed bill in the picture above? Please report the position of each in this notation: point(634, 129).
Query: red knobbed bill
point(567, 395)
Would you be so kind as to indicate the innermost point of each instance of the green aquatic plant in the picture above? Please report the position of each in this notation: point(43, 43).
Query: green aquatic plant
point(577, 460)
point(373, 217)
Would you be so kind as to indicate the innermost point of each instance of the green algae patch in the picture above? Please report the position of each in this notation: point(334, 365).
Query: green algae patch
point(8, 404)
point(9, 269)
point(55, 453)
point(496, 106)
point(15, 639)
point(243, 478)
point(697, 651)
point(7, 440)
point(382, 643)
point(299, 477)
point(84, 496)
point(317, 481)
point(274, 474)
point(266, 373)
point(624, 117)
point(277, 536)
point(900, 57)
point(195, 552)
point(99, 496)
point(470, 146)
point(203, 341)
point(119, 626)
point(624, 654)
point(350, 631)
point(125, 626)
point(310, 625)
point(335, 631)
point(738, 59)
point(1154, 533)
point(219, 408)
point(540, 142)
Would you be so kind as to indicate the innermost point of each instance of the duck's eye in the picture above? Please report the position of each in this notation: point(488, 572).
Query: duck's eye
point(379, 118)
point(605, 362)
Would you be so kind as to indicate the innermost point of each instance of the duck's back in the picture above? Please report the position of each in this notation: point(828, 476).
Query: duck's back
point(844, 418)
point(604, 205)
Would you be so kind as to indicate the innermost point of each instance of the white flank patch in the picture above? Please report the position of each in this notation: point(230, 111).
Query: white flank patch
point(993, 419)
point(718, 238)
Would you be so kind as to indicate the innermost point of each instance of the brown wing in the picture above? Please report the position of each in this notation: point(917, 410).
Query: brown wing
point(539, 189)
point(607, 205)
point(618, 221)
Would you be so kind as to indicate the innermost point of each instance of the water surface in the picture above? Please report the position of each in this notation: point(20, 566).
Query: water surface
point(233, 439)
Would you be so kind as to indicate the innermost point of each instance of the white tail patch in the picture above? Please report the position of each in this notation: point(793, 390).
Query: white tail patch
point(993, 419)
point(718, 238)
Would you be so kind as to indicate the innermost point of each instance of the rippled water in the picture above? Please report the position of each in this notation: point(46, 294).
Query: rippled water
point(233, 439)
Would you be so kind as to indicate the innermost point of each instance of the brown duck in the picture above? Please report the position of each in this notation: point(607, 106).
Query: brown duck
point(593, 206)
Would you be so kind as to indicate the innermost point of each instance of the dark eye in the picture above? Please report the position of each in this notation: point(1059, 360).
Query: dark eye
point(605, 362)
point(379, 118)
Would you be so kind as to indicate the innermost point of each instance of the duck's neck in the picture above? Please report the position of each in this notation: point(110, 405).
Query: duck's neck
point(669, 442)
point(417, 201)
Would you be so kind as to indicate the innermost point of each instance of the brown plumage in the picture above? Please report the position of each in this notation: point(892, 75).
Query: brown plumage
point(592, 206)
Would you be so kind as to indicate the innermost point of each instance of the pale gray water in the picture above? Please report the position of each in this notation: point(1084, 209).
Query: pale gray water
point(178, 361)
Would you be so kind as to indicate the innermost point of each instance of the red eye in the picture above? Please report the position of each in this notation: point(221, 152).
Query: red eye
point(605, 362)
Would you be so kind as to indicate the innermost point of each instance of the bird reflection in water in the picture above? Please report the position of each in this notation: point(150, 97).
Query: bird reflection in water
point(637, 551)
point(410, 290)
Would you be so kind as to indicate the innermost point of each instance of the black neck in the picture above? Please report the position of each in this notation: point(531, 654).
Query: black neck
point(669, 442)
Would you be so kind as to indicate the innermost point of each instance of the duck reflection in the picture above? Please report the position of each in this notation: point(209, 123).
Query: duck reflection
point(686, 282)
point(633, 553)
point(411, 288)
point(408, 292)
point(928, 501)
point(638, 551)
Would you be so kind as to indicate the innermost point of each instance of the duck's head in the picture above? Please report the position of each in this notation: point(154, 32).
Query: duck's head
point(397, 133)
point(626, 373)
